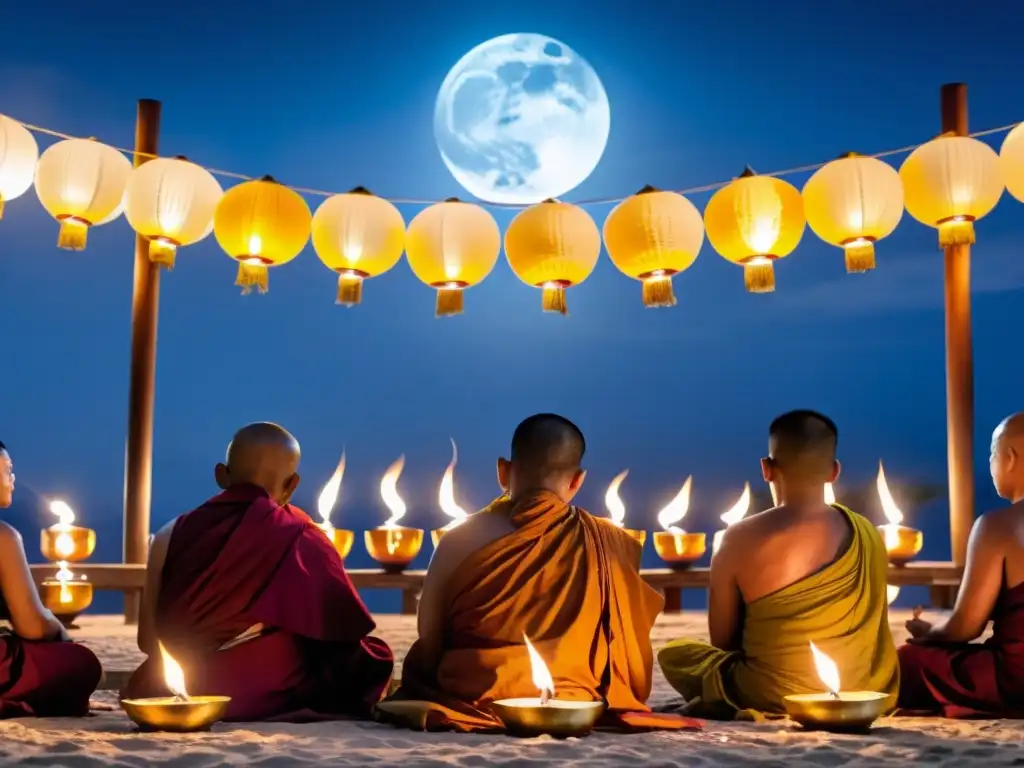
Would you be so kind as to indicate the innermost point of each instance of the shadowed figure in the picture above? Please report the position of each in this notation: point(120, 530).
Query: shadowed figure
point(798, 573)
point(252, 599)
point(533, 564)
point(42, 673)
point(943, 672)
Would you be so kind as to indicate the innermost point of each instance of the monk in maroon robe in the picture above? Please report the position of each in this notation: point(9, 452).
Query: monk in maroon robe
point(941, 670)
point(42, 673)
point(249, 596)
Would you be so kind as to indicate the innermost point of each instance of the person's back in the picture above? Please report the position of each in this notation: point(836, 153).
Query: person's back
point(942, 670)
point(531, 564)
point(798, 573)
point(250, 597)
point(42, 673)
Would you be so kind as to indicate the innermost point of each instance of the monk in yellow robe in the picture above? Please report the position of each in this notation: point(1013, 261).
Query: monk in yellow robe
point(532, 564)
point(798, 573)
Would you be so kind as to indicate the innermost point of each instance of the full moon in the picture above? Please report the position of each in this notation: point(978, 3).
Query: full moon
point(520, 119)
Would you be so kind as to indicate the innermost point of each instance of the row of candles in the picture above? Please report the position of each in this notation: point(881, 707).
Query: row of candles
point(395, 546)
point(832, 709)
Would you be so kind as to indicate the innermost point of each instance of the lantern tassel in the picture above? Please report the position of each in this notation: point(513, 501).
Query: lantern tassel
point(759, 278)
point(73, 235)
point(657, 292)
point(956, 233)
point(252, 276)
point(450, 301)
point(860, 257)
point(350, 290)
point(552, 299)
point(162, 252)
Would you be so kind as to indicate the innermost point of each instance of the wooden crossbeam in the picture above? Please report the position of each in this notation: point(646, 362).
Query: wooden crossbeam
point(942, 577)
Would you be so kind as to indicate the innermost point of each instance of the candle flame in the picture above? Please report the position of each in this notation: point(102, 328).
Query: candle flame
point(612, 500)
point(64, 575)
point(733, 516)
point(329, 495)
point(541, 676)
point(446, 494)
point(676, 510)
point(891, 593)
point(174, 677)
point(389, 492)
point(255, 244)
point(827, 670)
point(893, 514)
point(830, 494)
point(65, 515)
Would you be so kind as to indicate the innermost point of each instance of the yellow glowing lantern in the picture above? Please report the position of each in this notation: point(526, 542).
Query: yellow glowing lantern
point(261, 224)
point(1011, 161)
point(452, 246)
point(359, 236)
point(552, 246)
point(652, 236)
point(951, 182)
point(752, 221)
point(19, 154)
point(854, 202)
point(170, 202)
point(80, 182)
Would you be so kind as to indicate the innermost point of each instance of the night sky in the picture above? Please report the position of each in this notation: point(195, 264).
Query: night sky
point(331, 95)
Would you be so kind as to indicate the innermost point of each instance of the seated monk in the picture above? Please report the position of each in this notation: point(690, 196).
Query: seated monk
point(252, 600)
point(941, 671)
point(798, 573)
point(531, 564)
point(42, 673)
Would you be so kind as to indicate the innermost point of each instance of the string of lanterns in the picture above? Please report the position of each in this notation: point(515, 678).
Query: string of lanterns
point(852, 202)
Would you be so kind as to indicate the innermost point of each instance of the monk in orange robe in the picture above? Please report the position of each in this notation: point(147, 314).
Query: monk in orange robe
point(533, 564)
point(943, 671)
point(42, 673)
point(252, 600)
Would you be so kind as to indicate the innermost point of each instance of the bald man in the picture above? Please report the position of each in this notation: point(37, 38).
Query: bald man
point(251, 598)
point(943, 672)
point(532, 565)
point(801, 572)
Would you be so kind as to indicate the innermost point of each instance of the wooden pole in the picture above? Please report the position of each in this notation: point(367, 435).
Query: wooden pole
point(959, 358)
point(138, 473)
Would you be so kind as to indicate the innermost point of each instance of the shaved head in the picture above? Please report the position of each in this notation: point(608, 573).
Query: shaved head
point(1011, 428)
point(802, 444)
point(1006, 462)
point(547, 450)
point(262, 454)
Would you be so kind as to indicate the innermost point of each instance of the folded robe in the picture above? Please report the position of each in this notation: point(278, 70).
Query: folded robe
point(970, 679)
point(45, 679)
point(842, 609)
point(240, 560)
point(571, 583)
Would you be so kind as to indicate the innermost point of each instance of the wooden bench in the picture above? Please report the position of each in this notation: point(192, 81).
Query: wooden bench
point(943, 578)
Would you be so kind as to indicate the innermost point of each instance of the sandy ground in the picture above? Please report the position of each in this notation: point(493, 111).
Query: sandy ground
point(109, 739)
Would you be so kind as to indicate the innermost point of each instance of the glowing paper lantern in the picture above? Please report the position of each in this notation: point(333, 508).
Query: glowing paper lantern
point(752, 221)
point(80, 182)
point(854, 202)
point(19, 154)
point(1011, 160)
point(358, 235)
point(951, 182)
point(170, 202)
point(552, 246)
point(261, 224)
point(452, 246)
point(652, 236)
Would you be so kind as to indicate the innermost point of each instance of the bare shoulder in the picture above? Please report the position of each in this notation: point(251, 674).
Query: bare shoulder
point(998, 523)
point(8, 535)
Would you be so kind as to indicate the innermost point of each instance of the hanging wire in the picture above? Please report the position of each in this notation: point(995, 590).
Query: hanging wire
point(516, 206)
